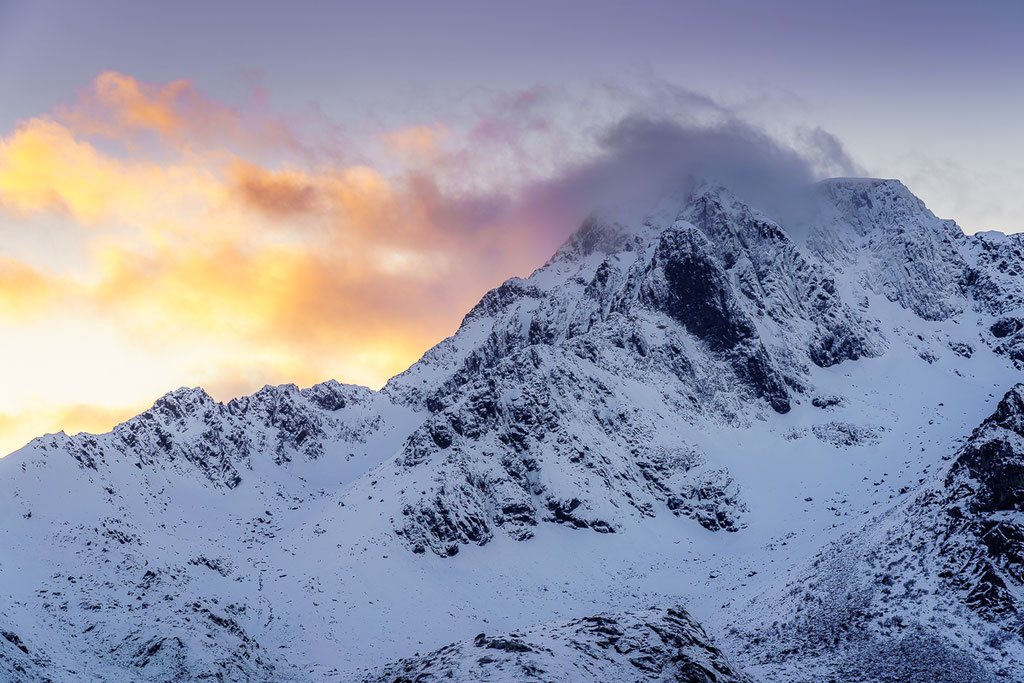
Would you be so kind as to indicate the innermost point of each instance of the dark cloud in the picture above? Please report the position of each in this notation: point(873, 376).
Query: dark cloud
point(828, 155)
point(655, 150)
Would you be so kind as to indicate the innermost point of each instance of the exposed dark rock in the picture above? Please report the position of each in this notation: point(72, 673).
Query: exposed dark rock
point(645, 645)
point(686, 282)
point(846, 434)
point(825, 402)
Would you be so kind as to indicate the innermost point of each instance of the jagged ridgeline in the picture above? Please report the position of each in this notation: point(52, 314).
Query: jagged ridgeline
point(681, 407)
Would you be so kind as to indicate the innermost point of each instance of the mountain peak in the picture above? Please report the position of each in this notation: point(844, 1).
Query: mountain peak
point(869, 203)
point(182, 402)
point(629, 226)
point(891, 186)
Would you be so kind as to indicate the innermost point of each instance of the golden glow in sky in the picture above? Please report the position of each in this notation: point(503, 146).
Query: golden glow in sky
point(158, 239)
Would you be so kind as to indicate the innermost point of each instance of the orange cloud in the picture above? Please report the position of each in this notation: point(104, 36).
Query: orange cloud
point(44, 167)
point(357, 199)
point(139, 105)
point(308, 308)
point(422, 143)
point(118, 106)
point(279, 194)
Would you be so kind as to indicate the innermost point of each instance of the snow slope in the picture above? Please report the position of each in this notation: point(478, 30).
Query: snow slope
point(924, 588)
point(680, 408)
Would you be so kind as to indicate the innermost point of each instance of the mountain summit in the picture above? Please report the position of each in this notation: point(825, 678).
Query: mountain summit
point(696, 405)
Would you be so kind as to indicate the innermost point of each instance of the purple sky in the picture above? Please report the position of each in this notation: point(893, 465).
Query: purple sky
point(928, 91)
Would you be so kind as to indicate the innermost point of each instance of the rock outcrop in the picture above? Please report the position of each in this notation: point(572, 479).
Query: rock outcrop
point(647, 645)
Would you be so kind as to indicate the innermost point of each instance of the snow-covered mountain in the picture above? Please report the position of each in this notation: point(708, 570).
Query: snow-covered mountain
point(760, 420)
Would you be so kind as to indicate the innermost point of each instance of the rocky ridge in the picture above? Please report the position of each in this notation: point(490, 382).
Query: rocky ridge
point(660, 644)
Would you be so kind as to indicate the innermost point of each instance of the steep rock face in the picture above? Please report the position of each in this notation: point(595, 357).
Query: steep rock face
point(686, 282)
point(1008, 338)
point(564, 435)
point(984, 539)
point(647, 645)
point(926, 264)
point(913, 258)
point(995, 280)
point(778, 281)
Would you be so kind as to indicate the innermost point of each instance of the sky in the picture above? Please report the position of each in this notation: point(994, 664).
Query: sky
point(234, 194)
